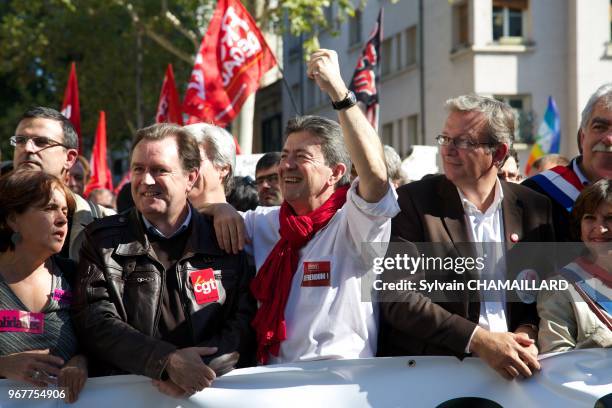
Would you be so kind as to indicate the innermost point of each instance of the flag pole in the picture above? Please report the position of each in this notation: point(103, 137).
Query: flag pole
point(295, 108)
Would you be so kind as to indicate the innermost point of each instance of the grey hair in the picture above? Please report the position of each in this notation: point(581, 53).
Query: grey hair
point(394, 164)
point(500, 116)
point(604, 94)
point(218, 146)
point(332, 142)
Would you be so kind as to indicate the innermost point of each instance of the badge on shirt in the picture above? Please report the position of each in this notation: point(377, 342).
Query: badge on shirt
point(316, 274)
point(62, 296)
point(204, 286)
point(531, 278)
point(20, 321)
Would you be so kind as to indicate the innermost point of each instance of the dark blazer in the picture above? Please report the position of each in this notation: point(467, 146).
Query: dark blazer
point(431, 211)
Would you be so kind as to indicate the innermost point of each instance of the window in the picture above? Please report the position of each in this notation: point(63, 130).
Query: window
point(399, 51)
point(296, 92)
point(412, 135)
point(508, 25)
point(386, 54)
point(402, 133)
point(387, 133)
point(411, 46)
point(272, 130)
point(461, 25)
point(294, 46)
point(311, 94)
point(328, 14)
point(523, 127)
point(355, 29)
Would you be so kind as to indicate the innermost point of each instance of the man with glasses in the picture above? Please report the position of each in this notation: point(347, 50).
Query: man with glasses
point(468, 204)
point(266, 179)
point(45, 140)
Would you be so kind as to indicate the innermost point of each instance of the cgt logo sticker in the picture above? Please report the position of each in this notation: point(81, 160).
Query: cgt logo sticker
point(204, 286)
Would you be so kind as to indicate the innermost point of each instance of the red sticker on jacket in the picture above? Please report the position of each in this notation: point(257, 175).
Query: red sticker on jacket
point(316, 274)
point(20, 321)
point(204, 286)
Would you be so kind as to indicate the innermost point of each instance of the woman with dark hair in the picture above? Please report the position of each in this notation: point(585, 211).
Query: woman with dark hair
point(581, 316)
point(37, 341)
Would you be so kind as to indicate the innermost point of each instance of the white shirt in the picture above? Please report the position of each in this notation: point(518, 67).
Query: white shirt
point(328, 321)
point(579, 173)
point(488, 228)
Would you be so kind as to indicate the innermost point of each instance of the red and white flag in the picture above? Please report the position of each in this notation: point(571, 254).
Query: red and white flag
point(169, 107)
point(232, 59)
point(367, 73)
point(100, 172)
point(70, 106)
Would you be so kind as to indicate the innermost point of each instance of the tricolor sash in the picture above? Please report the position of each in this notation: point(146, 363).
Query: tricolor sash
point(561, 184)
point(592, 280)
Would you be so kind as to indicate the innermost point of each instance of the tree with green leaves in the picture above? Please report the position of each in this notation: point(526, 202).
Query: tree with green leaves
point(121, 49)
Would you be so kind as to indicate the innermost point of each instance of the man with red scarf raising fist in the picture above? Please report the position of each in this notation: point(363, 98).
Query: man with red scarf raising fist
point(308, 250)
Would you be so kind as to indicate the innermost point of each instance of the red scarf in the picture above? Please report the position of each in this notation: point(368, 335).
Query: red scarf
point(272, 284)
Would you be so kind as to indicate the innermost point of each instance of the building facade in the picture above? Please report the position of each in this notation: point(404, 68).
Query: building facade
point(519, 51)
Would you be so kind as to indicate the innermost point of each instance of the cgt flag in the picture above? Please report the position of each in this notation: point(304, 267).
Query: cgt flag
point(169, 107)
point(100, 172)
point(548, 137)
point(367, 73)
point(70, 106)
point(232, 59)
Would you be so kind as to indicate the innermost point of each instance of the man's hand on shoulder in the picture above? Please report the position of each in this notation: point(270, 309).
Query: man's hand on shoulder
point(507, 353)
point(229, 226)
point(186, 369)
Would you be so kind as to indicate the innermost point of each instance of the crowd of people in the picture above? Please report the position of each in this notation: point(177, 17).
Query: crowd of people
point(199, 273)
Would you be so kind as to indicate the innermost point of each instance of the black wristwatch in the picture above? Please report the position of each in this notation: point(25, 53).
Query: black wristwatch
point(348, 101)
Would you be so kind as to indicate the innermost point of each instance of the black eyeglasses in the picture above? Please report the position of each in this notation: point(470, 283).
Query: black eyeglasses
point(270, 178)
point(460, 142)
point(42, 142)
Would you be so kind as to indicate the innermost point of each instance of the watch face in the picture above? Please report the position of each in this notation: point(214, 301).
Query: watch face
point(347, 102)
point(352, 98)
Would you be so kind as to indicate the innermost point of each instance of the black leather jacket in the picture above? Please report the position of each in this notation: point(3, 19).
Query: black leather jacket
point(118, 296)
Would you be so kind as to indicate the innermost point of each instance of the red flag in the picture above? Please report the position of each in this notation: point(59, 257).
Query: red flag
point(169, 107)
point(232, 58)
point(100, 172)
point(70, 107)
point(367, 73)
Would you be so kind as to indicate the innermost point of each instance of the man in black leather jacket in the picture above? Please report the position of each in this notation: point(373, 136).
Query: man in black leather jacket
point(155, 294)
